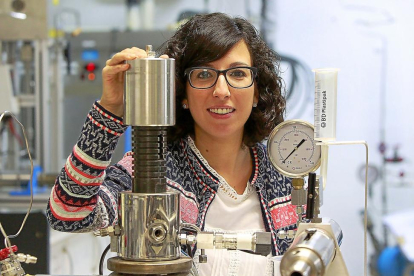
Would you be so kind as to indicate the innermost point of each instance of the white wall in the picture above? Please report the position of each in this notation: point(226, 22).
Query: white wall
point(371, 42)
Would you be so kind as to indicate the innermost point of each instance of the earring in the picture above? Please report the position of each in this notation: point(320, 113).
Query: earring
point(185, 106)
point(254, 104)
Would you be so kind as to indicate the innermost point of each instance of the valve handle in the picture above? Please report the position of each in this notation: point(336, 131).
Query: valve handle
point(5, 252)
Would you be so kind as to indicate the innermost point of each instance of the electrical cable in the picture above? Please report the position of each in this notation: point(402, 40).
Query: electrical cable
point(101, 261)
point(294, 65)
point(293, 94)
point(7, 240)
point(31, 180)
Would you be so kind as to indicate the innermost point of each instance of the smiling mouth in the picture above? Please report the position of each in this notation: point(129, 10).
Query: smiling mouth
point(221, 111)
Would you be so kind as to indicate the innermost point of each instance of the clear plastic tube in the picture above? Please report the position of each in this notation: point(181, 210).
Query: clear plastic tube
point(326, 82)
point(325, 103)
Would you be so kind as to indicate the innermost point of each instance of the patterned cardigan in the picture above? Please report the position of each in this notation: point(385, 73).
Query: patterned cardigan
point(85, 193)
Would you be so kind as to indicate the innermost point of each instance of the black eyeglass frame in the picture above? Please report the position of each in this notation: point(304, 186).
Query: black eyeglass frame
point(188, 71)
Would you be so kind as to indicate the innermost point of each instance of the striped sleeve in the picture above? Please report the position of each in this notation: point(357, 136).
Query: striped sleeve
point(78, 201)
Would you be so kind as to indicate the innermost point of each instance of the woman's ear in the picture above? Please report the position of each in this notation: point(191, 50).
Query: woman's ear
point(185, 104)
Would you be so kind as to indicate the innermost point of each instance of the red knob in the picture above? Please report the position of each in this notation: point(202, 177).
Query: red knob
point(5, 252)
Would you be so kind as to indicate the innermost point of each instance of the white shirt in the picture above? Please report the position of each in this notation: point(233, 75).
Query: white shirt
point(230, 212)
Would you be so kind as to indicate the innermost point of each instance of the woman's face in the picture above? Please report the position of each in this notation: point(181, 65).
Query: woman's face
point(221, 111)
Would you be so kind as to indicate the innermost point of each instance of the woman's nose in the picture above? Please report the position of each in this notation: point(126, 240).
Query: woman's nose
point(221, 89)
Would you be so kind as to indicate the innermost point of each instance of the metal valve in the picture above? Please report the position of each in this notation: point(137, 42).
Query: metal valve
point(10, 262)
point(108, 231)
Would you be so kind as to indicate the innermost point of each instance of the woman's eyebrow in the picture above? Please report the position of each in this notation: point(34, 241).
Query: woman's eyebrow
point(234, 64)
point(238, 63)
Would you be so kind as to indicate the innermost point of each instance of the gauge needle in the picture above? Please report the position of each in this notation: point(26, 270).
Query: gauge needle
point(300, 143)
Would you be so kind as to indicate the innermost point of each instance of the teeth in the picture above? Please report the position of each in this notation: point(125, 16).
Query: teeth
point(221, 110)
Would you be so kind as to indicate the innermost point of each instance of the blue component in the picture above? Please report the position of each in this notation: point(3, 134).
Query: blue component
point(90, 55)
point(36, 189)
point(392, 262)
point(128, 140)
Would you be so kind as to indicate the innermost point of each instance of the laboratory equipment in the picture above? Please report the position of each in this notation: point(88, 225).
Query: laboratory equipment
point(149, 233)
point(292, 149)
point(293, 152)
point(89, 52)
point(326, 82)
point(10, 263)
point(24, 51)
point(325, 103)
point(296, 149)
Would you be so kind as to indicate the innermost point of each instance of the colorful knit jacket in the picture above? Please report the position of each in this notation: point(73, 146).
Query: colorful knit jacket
point(85, 194)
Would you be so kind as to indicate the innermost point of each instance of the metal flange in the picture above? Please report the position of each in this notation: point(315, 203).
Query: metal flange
point(181, 266)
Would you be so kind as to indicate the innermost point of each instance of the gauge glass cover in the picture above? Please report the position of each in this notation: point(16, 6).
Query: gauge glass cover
point(292, 148)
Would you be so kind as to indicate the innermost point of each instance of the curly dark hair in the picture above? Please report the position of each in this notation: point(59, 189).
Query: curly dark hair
point(206, 38)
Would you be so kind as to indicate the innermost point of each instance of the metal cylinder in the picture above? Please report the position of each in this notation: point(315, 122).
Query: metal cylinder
point(311, 254)
point(149, 226)
point(149, 94)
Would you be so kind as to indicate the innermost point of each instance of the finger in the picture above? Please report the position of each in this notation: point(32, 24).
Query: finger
point(120, 58)
point(127, 54)
point(164, 56)
point(139, 52)
point(115, 69)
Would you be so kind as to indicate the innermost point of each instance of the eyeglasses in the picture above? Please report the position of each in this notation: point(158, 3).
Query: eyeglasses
point(236, 77)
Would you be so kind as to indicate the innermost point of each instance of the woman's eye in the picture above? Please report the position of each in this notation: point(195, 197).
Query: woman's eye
point(204, 75)
point(238, 73)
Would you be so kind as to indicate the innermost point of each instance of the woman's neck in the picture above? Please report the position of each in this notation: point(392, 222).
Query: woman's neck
point(228, 156)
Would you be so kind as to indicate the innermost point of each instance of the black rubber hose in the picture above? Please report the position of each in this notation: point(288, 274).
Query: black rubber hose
point(101, 261)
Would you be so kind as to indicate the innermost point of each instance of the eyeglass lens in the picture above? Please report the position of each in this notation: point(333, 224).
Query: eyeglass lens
point(237, 77)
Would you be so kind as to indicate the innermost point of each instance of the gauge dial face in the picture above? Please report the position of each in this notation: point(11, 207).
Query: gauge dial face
point(292, 149)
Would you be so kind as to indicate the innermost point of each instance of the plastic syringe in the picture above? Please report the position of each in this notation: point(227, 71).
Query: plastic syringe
point(325, 112)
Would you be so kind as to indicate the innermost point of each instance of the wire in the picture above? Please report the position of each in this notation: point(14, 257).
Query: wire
point(189, 252)
point(294, 92)
point(7, 242)
point(6, 238)
point(101, 261)
point(15, 134)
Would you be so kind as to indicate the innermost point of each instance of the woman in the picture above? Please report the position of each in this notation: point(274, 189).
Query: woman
point(230, 97)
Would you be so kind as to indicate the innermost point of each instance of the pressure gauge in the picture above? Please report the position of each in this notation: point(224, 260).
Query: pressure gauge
point(292, 149)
